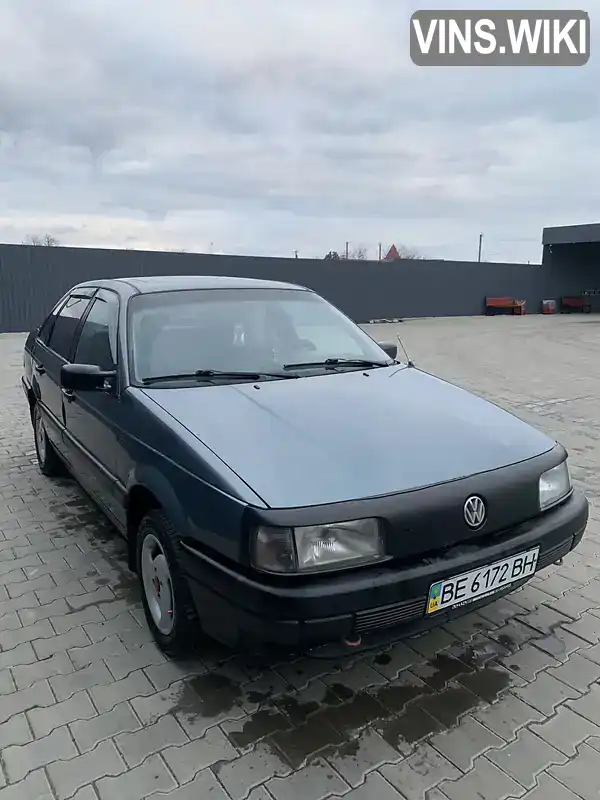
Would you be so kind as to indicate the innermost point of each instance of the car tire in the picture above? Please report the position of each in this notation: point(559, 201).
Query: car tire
point(164, 588)
point(48, 459)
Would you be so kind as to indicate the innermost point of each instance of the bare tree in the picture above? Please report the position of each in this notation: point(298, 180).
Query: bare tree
point(47, 240)
point(409, 253)
point(358, 253)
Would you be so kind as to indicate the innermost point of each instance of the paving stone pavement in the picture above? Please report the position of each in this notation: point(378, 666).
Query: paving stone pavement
point(503, 703)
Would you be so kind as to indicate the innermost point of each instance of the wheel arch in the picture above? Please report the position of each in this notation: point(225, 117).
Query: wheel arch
point(148, 489)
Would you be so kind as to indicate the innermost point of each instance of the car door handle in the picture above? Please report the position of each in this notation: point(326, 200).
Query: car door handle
point(40, 369)
point(68, 393)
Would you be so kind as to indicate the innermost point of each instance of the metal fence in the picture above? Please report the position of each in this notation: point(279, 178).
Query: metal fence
point(32, 278)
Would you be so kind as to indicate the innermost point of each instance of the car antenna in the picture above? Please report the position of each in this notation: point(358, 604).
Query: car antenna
point(409, 363)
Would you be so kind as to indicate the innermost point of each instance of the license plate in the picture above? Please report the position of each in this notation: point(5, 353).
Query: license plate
point(478, 583)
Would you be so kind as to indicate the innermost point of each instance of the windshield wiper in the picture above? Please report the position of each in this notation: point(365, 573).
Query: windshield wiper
point(331, 363)
point(215, 373)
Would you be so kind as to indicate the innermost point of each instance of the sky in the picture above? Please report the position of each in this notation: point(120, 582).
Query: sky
point(266, 127)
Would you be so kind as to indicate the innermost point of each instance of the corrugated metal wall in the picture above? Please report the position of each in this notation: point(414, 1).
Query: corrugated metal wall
point(33, 278)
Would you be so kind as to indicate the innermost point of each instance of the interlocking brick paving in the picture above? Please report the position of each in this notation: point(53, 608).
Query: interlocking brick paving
point(502, 703)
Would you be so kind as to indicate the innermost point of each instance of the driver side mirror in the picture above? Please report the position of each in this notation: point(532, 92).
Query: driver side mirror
point(86, 378)
point(389, 348)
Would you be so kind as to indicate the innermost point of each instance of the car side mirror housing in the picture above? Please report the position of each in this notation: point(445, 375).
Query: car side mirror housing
point(86, 378)
point(389, 348)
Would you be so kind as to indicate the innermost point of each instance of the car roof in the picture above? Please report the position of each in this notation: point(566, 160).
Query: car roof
point(167, 283)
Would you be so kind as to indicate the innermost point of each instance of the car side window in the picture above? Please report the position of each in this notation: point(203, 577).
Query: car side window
point(46, 327)
point(98, 338)
point(66, 323)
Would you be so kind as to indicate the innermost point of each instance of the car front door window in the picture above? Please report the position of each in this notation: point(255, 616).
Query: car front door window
point(46, 327)
point(98, 339)
point(66, 323)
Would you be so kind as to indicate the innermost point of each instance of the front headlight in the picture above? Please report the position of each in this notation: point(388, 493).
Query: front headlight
point(318, 547)
point(555, 485)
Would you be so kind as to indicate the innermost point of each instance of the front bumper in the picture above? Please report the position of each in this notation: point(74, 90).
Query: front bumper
point(242, 610)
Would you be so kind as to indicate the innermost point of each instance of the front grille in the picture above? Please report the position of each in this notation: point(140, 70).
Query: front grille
point(388, 616)
point(397, 613)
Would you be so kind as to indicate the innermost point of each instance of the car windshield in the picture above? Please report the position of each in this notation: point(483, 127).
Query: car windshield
point(253, 330)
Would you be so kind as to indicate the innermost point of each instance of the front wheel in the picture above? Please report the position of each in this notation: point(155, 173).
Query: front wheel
point(47, 458)
point(166, 597)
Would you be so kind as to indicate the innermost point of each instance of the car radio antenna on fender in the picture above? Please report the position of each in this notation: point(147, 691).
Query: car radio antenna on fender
point(409, 363)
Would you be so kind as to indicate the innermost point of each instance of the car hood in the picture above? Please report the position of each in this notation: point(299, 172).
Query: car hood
point(335, 437)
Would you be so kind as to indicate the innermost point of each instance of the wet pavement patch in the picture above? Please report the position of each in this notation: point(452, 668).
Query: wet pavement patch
point(441, 669)
point(426, 699)
point(410, 727)
point(216, 694)
point(126, 587)
point(299, 744)
point(259, 726)
point(403, 712)
point(487, 683)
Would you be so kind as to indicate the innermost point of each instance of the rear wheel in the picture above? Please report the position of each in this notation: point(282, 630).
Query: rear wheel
point(48, 460)
point(166, 596)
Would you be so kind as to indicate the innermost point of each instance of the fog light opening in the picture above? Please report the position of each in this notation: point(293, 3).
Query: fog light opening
point(355, 642)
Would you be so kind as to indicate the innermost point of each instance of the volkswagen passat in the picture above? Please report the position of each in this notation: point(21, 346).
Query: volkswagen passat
point(281, 478)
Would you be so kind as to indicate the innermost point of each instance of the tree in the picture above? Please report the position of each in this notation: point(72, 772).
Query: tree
point(409, 253)
point(47, 240)
point(358, 253)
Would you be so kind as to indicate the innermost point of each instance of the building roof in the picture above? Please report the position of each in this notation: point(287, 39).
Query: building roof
point(392, 254)
point(572, 234)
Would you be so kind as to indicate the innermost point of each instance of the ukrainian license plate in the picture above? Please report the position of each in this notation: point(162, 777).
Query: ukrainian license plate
point(481, 582)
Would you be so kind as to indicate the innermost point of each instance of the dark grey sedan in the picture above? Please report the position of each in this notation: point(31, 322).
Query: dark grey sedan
point(280, 477)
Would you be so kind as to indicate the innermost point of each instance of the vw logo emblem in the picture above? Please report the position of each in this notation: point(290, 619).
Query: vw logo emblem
point(474, 512)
